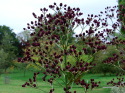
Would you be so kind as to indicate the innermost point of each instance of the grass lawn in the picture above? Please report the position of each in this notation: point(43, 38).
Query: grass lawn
point(17, 79)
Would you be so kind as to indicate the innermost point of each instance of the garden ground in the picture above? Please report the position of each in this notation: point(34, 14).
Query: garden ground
point(17, 79)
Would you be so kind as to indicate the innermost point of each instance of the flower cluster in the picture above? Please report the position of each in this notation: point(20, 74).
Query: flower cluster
point(86, 85)
point(32, 82)
point(120, 81)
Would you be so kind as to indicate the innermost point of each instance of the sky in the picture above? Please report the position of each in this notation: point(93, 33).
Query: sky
point(17, 13)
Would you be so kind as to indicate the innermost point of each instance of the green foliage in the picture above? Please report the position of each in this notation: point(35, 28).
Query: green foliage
point(103, 55)
point(8, 40)
point(122, 2)
point(9, 46)
point(3, 29)
point(4, 60)
point(36, 66)
point(72, 61)
point(27, 66)
point(24, 36)
point(119, 35)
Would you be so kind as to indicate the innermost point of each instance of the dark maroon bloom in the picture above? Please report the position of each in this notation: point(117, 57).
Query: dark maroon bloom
point(51, 42)
point(61, 4)
point(93, 51)
point(74, 91)
point(34, 85)
point(23, 85)
point(57, 8)
point(34, 73)
point(38, 73)
point(80, 53)
point(99, 82)
point(54, 3)
point(24, 28)
point(30, 80)
point(46, 47)
point(64, 89)
point(76, 35)
point(27, 84)
point(61, 59)
point(83, 39)
point(34, 15)
point(46, 66)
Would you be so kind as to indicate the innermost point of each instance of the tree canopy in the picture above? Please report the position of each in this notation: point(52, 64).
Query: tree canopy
point(8, 40)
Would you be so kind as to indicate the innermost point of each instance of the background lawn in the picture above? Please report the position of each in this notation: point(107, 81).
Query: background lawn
point(17, 79)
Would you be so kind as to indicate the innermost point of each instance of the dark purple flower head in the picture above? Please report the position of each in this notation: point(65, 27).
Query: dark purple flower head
point(23, 85)
point(34, 85)
point(61, 4)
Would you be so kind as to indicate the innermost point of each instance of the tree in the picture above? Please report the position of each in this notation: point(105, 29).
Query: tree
point(103, 55)
point(10, 45)
point(9, 49)
point(7, 43)
point(24, 36)
point(121, 18)
point(4, 62)
point(3, 29)
point(12, 40)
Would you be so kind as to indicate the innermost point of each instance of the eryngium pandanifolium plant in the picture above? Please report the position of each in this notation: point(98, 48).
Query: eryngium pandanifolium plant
point(57, 29)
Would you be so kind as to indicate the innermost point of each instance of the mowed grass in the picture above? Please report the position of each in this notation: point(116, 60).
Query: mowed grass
point(17, 79)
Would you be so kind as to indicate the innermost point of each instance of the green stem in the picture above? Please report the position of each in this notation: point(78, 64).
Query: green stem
point(72, 85)
point(119, 67)
point(43, 90)
point(66, 77)
point(59, 46)
point(58, 82)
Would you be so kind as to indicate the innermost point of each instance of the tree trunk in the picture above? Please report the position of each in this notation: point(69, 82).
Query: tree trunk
point(104, 74)
point(5, 70)
point(24, 72)
point(110, 74)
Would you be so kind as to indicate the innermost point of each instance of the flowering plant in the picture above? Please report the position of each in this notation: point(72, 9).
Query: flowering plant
point(57, 30)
